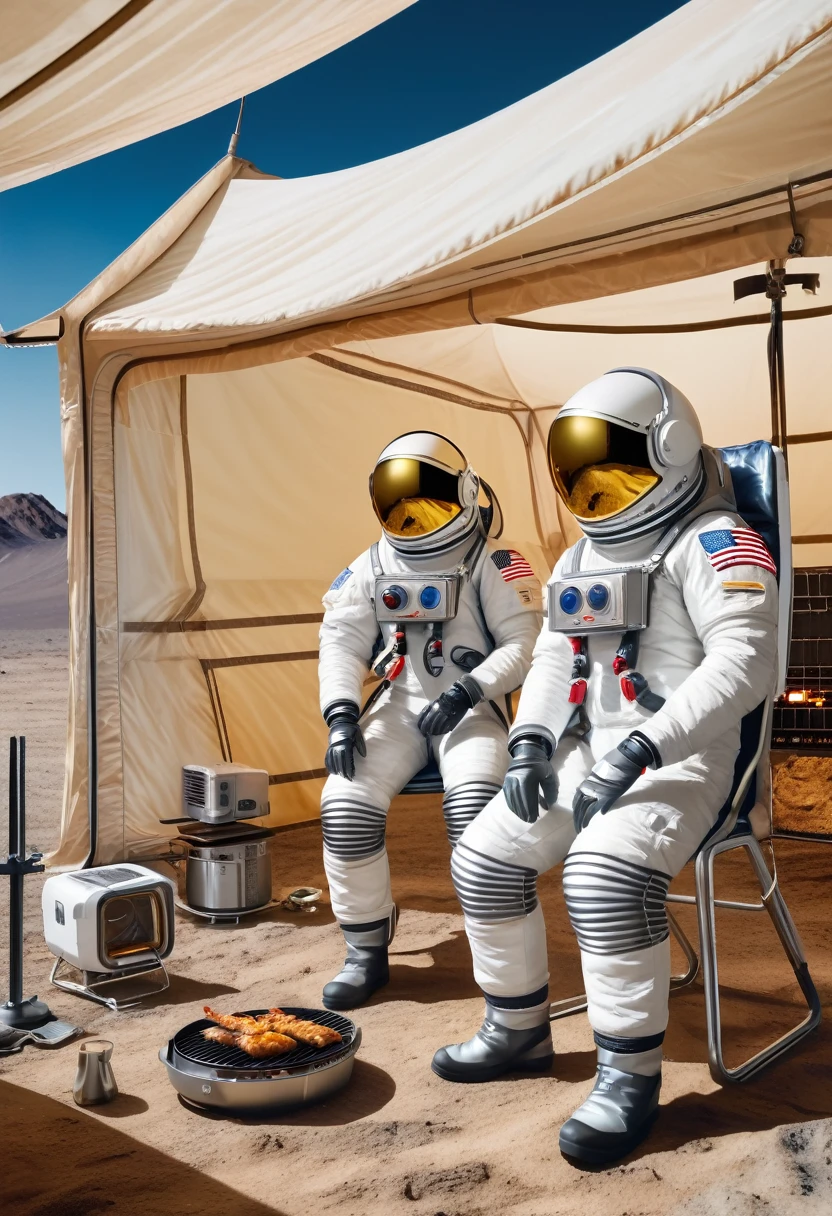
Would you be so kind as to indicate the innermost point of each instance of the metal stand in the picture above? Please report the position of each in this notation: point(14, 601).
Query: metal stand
point(94, 984)
point(19, 1013)
point(218, 918)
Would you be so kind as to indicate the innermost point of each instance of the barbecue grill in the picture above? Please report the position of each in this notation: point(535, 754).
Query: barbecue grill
point(217, 1077)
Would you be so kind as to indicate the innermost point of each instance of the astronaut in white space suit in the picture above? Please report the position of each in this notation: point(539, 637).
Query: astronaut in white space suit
point(449, 620)
point(623, 747)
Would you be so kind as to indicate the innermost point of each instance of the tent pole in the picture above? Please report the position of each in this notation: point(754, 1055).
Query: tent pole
point(235, 138)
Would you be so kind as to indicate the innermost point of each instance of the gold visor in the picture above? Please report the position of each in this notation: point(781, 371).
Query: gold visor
point(599, 469)
point(412, 498)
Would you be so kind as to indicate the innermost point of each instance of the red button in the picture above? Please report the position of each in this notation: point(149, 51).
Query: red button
point(577, 692)
point(628, 688)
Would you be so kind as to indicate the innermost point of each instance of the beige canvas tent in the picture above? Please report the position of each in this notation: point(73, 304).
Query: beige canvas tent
point(228, 382)
point(79, 78)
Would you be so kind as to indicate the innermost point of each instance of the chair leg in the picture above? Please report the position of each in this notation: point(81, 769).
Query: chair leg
point(786, 931)
point(682, 981)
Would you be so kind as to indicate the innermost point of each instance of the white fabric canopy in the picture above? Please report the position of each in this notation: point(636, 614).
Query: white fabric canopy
point(79, 78)
point(229, 380)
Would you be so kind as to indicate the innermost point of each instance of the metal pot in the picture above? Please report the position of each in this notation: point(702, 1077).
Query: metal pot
point(229, 877)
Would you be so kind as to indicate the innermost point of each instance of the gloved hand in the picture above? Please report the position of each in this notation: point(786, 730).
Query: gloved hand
point(611, 777)
point(450, 707)
point(529, 773)
point(345, 739)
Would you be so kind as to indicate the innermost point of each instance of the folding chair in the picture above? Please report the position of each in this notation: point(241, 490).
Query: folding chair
point(761, 490)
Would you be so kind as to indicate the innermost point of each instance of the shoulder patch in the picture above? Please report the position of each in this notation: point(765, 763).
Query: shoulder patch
point(512, 565)
point(728, 547)
point(341, 579)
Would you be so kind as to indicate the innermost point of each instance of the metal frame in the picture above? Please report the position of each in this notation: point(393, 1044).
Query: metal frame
point(94, 980)
point(771, 901)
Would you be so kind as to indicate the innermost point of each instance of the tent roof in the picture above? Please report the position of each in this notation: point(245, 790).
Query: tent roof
point(79, 78)
point(666, 159)
point(695, 125)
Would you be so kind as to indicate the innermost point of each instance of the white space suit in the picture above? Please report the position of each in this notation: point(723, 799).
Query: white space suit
point(704, 660)
point(446, 694)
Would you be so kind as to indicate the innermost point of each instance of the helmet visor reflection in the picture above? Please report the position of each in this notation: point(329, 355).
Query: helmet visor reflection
point(599, 468)
point(412, 498)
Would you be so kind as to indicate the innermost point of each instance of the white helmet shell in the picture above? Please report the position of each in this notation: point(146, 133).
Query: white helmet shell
point(642, 401)
point(428, 448)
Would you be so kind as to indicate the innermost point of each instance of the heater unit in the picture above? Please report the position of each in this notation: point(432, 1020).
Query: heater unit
point(223, 793)
point(113, 924)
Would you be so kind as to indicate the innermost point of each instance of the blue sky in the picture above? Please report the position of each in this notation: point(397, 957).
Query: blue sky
point(438, 66)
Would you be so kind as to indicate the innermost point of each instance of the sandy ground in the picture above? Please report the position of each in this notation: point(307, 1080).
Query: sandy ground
point(33, 586)
point(398, 1140)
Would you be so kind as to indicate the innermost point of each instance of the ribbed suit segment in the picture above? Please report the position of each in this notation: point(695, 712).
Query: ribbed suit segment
point(352, 830)
point(491, 890)
point(462, 805)
point(615, 906)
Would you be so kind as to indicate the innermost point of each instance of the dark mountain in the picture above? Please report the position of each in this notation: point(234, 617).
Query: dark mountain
point(28, 519)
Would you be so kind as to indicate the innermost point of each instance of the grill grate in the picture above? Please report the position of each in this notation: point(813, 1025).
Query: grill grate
point(190, 1045)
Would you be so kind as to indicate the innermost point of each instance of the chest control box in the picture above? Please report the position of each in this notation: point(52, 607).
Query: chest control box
point(401, 597)
point(597, 601)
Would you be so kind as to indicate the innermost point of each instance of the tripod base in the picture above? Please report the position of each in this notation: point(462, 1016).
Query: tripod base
point(25, 1015)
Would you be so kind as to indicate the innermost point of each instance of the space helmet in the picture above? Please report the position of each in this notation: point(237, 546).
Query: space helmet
point(428, 498)
point(625, 454)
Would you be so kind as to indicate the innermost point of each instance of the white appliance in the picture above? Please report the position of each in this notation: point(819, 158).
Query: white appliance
point(223, 793)
point(109, 919)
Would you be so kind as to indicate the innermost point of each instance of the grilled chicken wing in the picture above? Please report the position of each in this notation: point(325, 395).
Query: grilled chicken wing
point(307, 1032)
point(264, 1043)
point(243, 1025)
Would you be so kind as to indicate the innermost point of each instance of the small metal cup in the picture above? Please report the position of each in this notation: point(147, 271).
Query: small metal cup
point(94, 1080)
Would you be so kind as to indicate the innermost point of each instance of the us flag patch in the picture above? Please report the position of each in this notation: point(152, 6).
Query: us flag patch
point(736, 547)
point(512, 565)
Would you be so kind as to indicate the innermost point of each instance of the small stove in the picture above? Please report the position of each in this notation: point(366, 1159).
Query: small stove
point(212, 1076)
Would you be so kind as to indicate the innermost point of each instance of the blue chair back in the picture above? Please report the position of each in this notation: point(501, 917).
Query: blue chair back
point(761, 493)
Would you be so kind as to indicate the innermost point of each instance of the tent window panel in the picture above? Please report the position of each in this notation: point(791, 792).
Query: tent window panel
point(155, 572)
point(723, 372)
point(270, 717)
point(166, 722)
point(809, 465)
point(281, 455)
point(807, 348)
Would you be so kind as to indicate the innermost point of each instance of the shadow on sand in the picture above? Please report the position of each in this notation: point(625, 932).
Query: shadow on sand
point(61, 1161)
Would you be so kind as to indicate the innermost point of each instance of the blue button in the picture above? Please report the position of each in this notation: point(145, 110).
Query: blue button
point(598, 597)
point(570, 600)
point(430, 597)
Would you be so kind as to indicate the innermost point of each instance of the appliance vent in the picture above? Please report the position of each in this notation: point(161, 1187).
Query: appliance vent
point(195, 785)
point(107, 876)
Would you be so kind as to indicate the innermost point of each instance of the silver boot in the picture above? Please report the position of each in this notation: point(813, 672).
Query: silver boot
point(508, 1039)
point(365, 968)
point(619, 1112)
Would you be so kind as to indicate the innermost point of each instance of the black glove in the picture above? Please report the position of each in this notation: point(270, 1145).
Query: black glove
point(345, 739)
point(530, 781)
point(611, 777)
point(450, 707)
